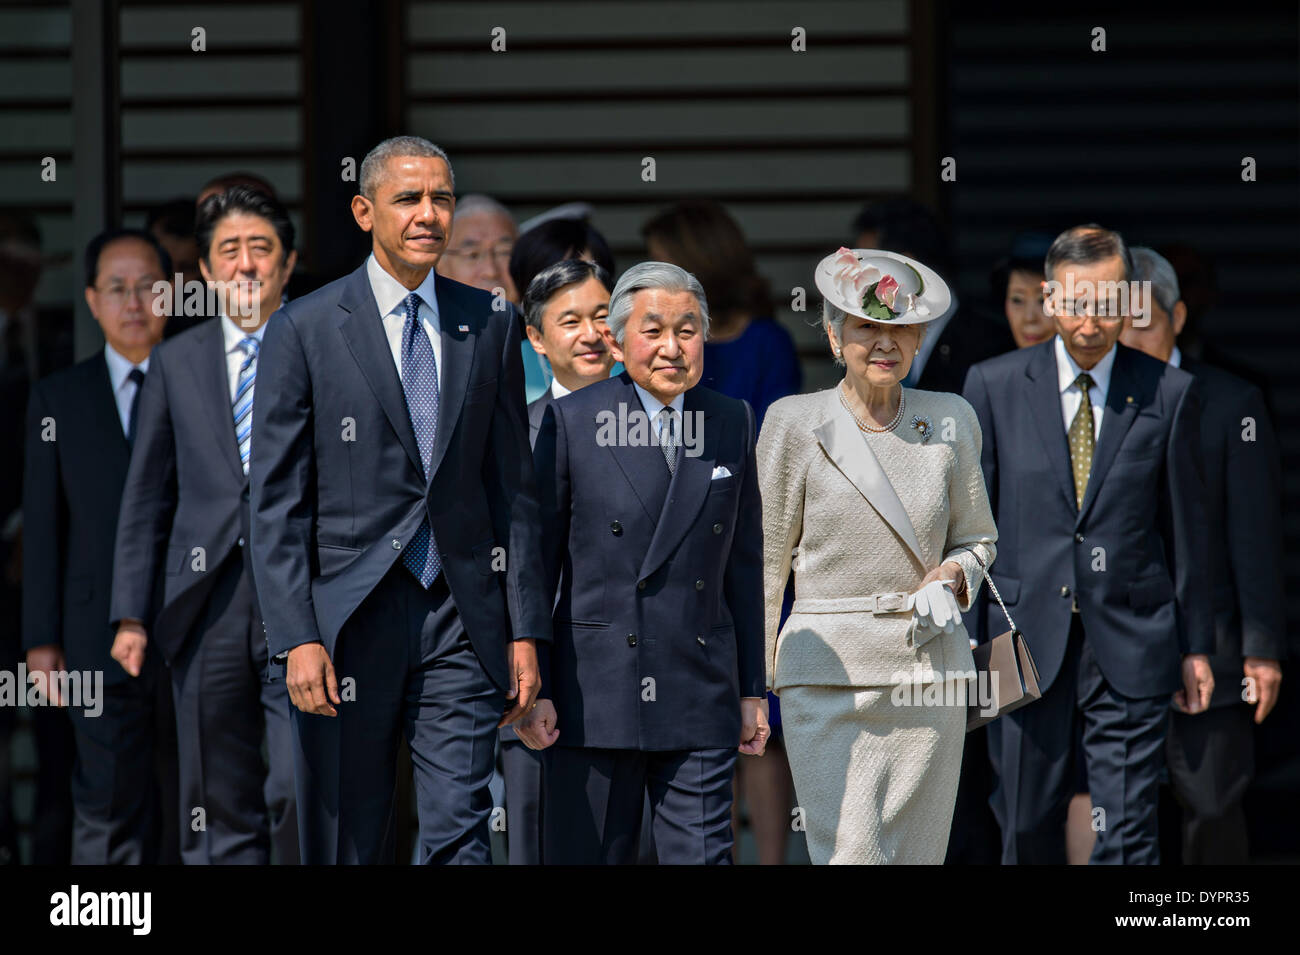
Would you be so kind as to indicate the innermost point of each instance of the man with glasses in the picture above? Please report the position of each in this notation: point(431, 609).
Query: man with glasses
point(482, 237)
point(1093, 465)
point(80, 429)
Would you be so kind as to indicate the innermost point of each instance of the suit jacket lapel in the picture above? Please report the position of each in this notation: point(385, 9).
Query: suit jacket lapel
point(641, 463)
point(842, 439)
point(108, 422)
point(459, 330)
point(1043, 401)
point(207, 361)
point(1121, 410)
point(363, 329)
point(686, 491)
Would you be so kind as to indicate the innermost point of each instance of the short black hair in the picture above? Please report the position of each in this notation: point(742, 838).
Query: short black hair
point(908, 228)
point(242, 199)
point(555, 277)
point(175, 218)
point(1027, 254)
point(1084, 244)
point(99, 243)
point(553, 241)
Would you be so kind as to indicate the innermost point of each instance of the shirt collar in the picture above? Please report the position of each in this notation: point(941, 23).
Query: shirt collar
point(233, 334)
point(1067, 369)
point(119, 366)
point(390, 293)
point(1176, 358)
point(653, 405)
point(558, 390)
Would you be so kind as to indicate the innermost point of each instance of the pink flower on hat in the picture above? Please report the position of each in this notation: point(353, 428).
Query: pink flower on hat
point(886, 289)
point(852, 278)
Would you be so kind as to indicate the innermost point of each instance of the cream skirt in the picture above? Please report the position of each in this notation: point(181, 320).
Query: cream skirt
point(875, 781)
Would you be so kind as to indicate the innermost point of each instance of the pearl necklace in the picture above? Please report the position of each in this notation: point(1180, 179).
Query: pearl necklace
point(902, 400)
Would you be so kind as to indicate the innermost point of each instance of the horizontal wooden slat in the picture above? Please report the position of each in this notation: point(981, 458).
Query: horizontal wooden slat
point(34, 130)
point(34, 28)
point(183, 126)
point(209, 75)
point(21, 183)
point(35, 81)
point(226, 25)
point(157, 181)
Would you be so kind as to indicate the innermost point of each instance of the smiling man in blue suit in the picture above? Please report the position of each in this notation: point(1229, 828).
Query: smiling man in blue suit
point(395, 530)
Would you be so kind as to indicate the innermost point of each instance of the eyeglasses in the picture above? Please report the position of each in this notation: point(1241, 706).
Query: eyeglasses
point(118, 294)
point(499, 255)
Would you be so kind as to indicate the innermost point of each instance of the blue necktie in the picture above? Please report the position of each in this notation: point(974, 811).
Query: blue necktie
point(243, 403)
point(420, 383)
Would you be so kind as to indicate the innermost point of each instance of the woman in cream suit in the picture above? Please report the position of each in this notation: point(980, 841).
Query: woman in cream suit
point(873, 495)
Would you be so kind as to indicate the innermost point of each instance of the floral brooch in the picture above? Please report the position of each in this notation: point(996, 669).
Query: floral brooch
point(923, 427)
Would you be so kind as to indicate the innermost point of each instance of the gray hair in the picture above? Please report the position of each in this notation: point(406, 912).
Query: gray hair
point(652, 275)
point(373, 166)
point(1084, 245)
point(478, 204)
point(1155, 268)
point(833, 320)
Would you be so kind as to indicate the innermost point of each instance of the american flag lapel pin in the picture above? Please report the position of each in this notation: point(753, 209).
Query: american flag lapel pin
point(463, 328)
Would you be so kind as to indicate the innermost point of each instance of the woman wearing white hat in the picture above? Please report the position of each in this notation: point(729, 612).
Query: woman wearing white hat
point(873, 495)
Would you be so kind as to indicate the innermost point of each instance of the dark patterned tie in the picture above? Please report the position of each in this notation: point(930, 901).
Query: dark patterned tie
point(420, 383)
point(136, 375)
point(1082, 437)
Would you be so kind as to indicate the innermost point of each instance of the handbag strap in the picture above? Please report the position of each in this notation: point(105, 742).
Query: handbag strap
point(992, 586)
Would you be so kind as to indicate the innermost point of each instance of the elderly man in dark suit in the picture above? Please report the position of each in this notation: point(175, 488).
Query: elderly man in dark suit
point(81, 423)
point(184, 517)
point(1211, 756)
point(653, 533)
point(395, 528)
point(565, 307)
point(1093, 465)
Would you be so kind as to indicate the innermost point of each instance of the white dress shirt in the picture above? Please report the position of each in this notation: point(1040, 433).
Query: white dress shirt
point(124, 388)
point(1176, 358)
point(233, 335)
point(653, 406)
point(390, 299)
point(558, 390)
point(1067, 370)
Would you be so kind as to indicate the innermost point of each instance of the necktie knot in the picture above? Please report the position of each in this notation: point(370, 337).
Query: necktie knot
point(1084, 382)
point(136, 376)
point(249, 346)
point(412, 303)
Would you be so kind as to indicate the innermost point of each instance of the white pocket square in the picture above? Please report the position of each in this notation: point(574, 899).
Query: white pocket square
point(720, 472)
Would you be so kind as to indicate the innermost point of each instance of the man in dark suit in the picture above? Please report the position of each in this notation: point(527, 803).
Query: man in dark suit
point(652, 530)
point(395, 528)
point(953, 342)
point(1093, 466)
point(185, 513)
point(1211, 756)
point(80, 425)
point(565, 307)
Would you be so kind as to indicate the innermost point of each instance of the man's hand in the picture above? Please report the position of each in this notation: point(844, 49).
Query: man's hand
point(1198, 684)
point(537, 730)
point(128, 646)
point(48, 659)
point(525, 680)
point(754, 730)
point(1265, 676)
point(309, 675)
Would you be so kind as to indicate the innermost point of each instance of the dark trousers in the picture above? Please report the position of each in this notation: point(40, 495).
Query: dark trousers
point(9, 653)
point(523, 769)
point(234, 805)
point(1211, 759)
point(55, 756)
point(414, 673)
point(595, 798)
point(125, 765)
point(1033, 754)
point(975, 839)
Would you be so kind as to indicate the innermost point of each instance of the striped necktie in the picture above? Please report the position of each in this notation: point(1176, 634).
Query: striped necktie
point(243, 403)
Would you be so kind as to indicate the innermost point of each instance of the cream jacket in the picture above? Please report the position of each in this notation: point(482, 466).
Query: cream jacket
point(857, 515)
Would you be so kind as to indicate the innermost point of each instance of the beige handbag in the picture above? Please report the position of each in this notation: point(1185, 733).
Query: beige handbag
point(1004, 669)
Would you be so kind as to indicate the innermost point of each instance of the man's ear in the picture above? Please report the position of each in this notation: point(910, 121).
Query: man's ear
point(205, 271)
point(535, 339)
point(1179, 317)
point(363, 212)
point(612, 344)
point(291, 262)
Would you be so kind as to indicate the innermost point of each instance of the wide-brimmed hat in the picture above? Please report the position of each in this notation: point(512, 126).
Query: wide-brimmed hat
point(882, 286)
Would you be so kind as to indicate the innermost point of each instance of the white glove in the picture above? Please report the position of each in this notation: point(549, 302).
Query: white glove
point(934, 607)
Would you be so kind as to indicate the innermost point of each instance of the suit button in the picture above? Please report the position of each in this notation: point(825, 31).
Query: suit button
point(640, 585)
point(699, 638)
point(1078, 538)
point(241, 542)
point(717, 528)
point(397, 545)
point(616, 528)
point(1065, 591)
point(631, 639)
point(699, 585)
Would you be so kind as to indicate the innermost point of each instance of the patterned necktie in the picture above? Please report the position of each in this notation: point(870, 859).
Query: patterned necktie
point(420, 383)
point(133, 416)
point(1082, 438)
point(243, 403)
point(668, 441)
